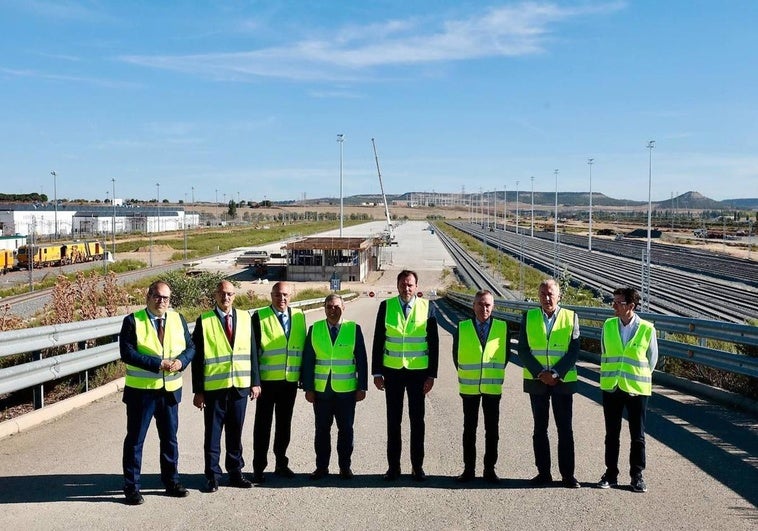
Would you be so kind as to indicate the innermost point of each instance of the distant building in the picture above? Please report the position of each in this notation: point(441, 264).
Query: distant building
point(319, 259)
point(87, 220)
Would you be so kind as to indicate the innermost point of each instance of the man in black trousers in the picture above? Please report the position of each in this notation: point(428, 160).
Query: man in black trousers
point(405, 356)
point(224, 375)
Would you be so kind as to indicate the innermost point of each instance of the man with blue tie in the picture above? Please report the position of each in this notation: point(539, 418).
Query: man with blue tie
point(224, 375)
point(334, 376)
point(404, 358)
point(280, 335)
point(156, 346)
point(480, 354)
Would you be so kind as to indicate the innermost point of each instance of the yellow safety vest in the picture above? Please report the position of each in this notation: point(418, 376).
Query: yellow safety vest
point(281, 356)
point(149, 344)
point(405, 343)
point(549, 350)
point(337, 359)
point(626, 367)
point(481, 370)
point(226, 367)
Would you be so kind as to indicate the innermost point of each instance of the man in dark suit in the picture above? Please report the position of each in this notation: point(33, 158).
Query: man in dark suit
point(480, 354)
point(224, 375)
point(156, 346)
point(335, 377)
point(548, 348)
point(405, 356)
point(280, 335)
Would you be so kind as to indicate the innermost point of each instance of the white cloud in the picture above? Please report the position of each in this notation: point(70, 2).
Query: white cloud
point(508, 31)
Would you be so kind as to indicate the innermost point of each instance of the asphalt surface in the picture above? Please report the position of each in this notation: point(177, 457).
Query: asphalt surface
point(702, 461)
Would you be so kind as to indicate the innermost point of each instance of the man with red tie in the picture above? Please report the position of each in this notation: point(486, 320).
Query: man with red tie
point(224, 375)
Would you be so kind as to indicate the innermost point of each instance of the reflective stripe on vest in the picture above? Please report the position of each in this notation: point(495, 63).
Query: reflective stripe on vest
point(226, 367)
point(337, 359)
point(626, 367)
point(281, 356)
point(405, 339)
point(147, 343)
point(481, 370)
point(549, 350)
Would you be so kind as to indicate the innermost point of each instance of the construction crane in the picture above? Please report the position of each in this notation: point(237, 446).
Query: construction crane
point(389, 235)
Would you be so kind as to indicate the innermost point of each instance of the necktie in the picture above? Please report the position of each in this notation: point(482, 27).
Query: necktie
point(160, 330)
point(482, 334)
point(229, 327)
point(333, 332)
point(406, 309)
point(283, 321)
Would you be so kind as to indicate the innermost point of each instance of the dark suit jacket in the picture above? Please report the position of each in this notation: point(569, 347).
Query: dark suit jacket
point(198, 364)
point(380, 335)
point(307, 370)
point(127, 343)
point(566, 363)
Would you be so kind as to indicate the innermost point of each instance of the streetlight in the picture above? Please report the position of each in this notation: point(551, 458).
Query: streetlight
point(55, 200)
point(158, 200)
point(113, 221)
point(219, 219)
point(555, 229)
point(532, 232)
point(589, 241)
point(517, 191)
point(340, 141)
point(505, 209)
point(646, 266)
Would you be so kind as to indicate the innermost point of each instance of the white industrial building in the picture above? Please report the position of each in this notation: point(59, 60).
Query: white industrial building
point(76, 220)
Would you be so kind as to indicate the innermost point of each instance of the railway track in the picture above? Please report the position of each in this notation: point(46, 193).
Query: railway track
point(673, 291)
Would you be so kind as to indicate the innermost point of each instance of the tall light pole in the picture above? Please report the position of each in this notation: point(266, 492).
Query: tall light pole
point(55, 200)
point(646, 263)
point(517, 191)
point(217, 216)
point(113, 221)
point(340, 141)
point(532, 231)
point(555, 229)
point(158, 200)
point(589, 241)
point(505, 209)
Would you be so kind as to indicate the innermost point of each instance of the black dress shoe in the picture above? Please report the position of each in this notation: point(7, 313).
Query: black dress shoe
point(467, 476)
point(240, 482)
point(418, 474)
point(258, 477)
point(284, 471)
point(540, 480)
point(392, 474)
point(346, 473)
point(211, 485)
point(319, 473)
point(177, 490)
point(134, 498)
point(490, 476)
point(570, 483)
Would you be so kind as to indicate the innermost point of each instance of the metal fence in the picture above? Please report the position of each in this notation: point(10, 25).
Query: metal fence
point(34, 374)
point(701, 330)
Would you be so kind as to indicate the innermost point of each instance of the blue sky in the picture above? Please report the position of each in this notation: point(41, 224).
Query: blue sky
point(245, 99)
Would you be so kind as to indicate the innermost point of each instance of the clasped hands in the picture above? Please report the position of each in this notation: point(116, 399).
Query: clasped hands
point(547, 378)
point(171, 365)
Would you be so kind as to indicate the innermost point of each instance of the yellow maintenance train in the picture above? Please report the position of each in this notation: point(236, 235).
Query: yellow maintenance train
point(57, 254)
point(7, 260)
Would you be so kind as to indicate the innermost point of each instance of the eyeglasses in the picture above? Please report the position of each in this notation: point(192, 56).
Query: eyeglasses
point(161, 298)
point(619, 303)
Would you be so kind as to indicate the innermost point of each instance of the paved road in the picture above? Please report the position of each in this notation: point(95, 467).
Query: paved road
point(702, 464)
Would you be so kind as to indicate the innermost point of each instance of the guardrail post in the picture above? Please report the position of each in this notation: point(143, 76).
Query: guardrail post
point(38, 394)
point(82, 345)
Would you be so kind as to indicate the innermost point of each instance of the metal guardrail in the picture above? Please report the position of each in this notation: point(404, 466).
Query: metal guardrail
point(42, 370)
point(701, 329)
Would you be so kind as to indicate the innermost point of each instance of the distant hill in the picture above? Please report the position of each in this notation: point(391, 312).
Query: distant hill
point(689, 200)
